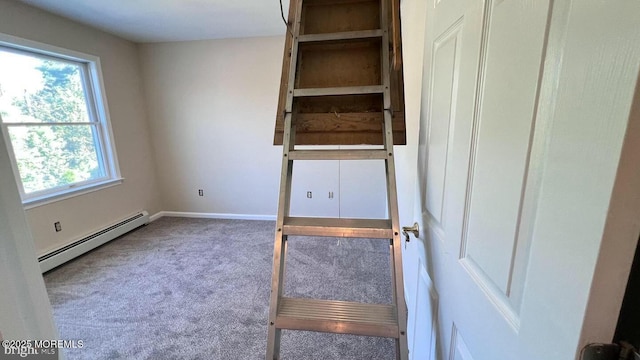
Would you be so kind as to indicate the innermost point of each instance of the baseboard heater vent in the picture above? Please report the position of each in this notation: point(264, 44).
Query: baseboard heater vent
point(79, 247)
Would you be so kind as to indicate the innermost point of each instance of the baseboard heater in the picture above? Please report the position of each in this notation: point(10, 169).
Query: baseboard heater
point(79, 247)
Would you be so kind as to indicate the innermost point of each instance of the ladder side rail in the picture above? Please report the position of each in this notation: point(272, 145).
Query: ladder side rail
point(293, 65)
point(280, 242)
point(388, 145)
point(396, 250)
point(402, 348)
point(280, 247)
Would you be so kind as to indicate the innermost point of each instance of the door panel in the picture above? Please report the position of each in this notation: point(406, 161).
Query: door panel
point(511, 55)
point(444, 67)
point(518, 151)
point(423, 341)
point(482, 67)
point(459, 350)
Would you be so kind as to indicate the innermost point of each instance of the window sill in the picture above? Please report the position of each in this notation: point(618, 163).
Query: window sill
point(70, 193)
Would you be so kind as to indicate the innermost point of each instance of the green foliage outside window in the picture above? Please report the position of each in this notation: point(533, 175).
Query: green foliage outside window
point(47, 118)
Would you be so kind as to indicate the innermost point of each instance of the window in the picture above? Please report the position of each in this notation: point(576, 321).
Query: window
point(54, 120)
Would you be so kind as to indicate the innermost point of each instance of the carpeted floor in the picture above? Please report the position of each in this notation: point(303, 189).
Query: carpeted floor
point(199, 289)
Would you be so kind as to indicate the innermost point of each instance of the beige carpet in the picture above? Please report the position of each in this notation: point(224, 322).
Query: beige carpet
point(199, 289)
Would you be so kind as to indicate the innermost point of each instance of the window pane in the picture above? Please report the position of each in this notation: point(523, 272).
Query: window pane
point(50, 156)
point(35, 89)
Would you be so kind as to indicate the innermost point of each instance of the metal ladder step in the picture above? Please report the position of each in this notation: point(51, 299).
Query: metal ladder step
point(338, 154)
point(347, 35)
point(334, 316)
point(337, 91)
point(333, 227)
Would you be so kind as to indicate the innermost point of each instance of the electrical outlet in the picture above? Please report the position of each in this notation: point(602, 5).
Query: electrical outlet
point(200, 192)
point(57, 226)
point(309, 195)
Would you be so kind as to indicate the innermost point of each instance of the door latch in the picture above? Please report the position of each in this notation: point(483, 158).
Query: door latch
point(415, 230)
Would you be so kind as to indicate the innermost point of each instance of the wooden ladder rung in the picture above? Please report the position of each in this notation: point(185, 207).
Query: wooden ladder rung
point(338, 154)
point(347, 35)
point(344, 90)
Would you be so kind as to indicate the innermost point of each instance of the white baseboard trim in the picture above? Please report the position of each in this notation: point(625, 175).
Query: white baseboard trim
point(160, 214)
point(156, 216)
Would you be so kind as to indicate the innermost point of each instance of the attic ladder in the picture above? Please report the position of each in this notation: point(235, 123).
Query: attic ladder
point(383, 320)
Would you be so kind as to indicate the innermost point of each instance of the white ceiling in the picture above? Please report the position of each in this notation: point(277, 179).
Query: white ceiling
point(173, 20)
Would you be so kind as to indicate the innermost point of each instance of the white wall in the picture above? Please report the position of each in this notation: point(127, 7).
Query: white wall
point(413, 22)
point(412, 13)
point(25, 312)
point(212, 107)
point(84, 214)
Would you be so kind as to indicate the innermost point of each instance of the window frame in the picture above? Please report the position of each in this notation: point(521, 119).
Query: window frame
point(99, 119)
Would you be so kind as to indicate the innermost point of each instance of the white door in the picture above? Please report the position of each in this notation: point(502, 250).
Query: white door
point(363, 187)
point(315, 188)
point(490, 286)
point(339, 189)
